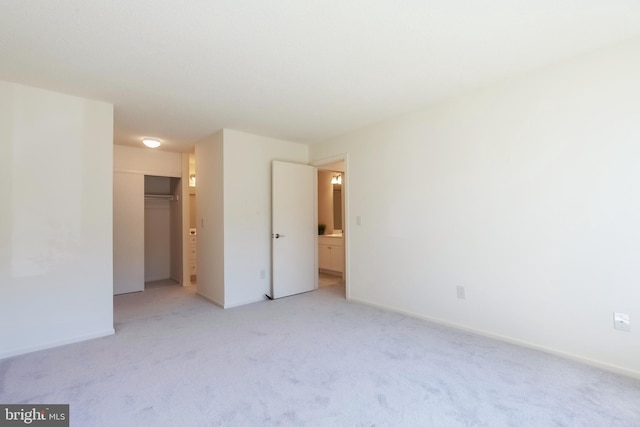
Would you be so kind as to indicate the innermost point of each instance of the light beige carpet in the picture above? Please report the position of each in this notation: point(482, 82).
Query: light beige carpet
point(313, 360)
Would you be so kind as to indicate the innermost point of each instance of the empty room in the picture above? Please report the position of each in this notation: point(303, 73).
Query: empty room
point(245, 213)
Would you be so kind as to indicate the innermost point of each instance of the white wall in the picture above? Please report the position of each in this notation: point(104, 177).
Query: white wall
point(55, 219)
point(247, 211)
point(525, 193)
point(210, 218)
point(234, 246)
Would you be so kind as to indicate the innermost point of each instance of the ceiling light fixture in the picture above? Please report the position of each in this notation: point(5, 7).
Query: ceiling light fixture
point(337, 179)
point(151, 143)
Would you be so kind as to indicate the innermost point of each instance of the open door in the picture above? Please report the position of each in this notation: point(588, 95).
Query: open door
point(293, 228)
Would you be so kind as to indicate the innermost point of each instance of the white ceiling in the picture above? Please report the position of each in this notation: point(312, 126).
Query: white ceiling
point(302, 70)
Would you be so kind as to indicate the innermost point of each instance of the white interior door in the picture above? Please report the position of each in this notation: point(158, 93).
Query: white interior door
point(294, 230)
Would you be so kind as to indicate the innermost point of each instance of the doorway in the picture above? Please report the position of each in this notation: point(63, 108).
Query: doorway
point(332, 224)
point(192, 245)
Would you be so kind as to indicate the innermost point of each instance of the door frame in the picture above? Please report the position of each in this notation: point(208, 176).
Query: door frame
point(346, 228)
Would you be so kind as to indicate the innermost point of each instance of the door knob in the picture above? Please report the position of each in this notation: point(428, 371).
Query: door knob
point(277, 236)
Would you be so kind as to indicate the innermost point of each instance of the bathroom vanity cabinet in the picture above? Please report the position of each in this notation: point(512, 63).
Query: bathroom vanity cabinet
point(331, 253)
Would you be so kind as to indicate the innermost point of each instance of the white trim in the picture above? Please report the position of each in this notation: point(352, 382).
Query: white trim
point(245, 302)
point(52, 344)
point(331, 159)
point(595, 363)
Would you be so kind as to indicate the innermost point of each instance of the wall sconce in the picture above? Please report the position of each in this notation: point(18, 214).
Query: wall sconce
point(337, 179)
point(192, 180)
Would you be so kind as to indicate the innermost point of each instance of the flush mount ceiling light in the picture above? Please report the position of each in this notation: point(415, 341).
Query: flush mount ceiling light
point(151, 143)
point(337, 179)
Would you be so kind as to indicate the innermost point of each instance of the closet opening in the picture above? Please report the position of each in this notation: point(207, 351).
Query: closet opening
point(162, 231)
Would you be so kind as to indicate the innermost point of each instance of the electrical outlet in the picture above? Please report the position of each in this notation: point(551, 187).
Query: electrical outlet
point(461, 292)
point(621, 322)
point(263, 274)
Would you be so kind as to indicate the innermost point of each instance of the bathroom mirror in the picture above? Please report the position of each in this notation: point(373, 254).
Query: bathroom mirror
point(330, 200)
point(337, 208)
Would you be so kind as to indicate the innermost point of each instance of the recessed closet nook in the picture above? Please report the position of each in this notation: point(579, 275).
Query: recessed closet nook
point(153, 241)
point(162, 227)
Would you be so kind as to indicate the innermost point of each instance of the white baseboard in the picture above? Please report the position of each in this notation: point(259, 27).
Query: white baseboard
point(211, 299)
point(232, 304)
point(331, 272)
point(591, 362)
point(251, 301)
point(58, 343)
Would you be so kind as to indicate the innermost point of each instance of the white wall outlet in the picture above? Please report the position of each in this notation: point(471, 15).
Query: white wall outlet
point(358, 220)
point(263, 274)
point(621, 322)
point(461, 292)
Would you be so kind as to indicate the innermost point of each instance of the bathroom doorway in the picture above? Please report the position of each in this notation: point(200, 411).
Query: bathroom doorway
point(332, 225)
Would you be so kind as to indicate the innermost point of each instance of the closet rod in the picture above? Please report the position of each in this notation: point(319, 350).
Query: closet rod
point(158, 196)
